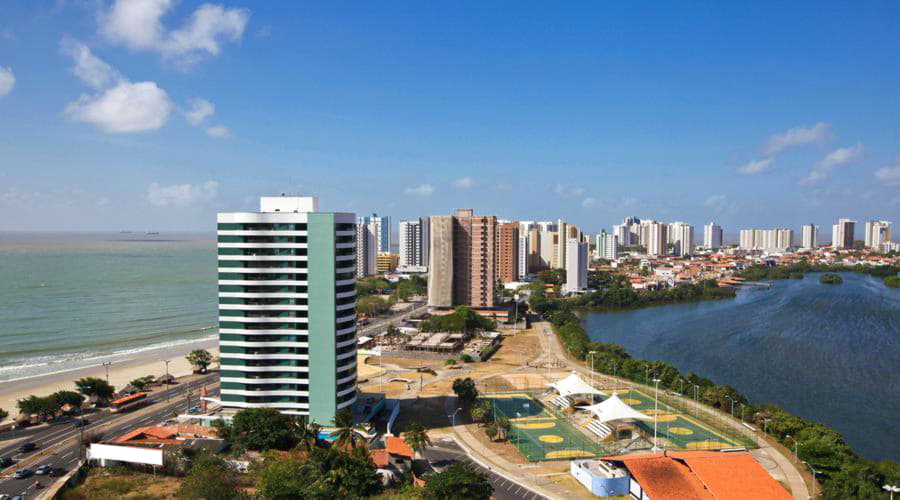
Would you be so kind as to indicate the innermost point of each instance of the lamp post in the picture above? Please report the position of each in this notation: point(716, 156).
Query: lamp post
point(166, 361)
point(655, 414)
point(814, 472)
point(697, 396)
point(615, 377)
point(591, 354)
point(106, 365)
point(647, 377)
point(453, 417)
point(892, 489)
point(742, 413)
point(681, 387)
point(792, 438)
point(732, 405)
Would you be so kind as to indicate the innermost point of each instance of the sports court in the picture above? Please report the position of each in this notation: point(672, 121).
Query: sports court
point(538, 434)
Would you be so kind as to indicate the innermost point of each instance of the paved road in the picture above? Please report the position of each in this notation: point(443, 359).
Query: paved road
point(59, 446)
point(445, 451)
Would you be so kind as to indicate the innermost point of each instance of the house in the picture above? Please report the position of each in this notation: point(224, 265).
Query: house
point(153, 445)
point(394, 460)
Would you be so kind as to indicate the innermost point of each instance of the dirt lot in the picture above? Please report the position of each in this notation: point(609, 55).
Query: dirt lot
point(120, 483)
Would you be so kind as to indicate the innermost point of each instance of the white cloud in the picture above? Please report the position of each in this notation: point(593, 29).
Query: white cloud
point(588, 202)
point(889, 175)
point(568, 191)
point(756, 166)
point(200, 109)
point(463, 183)
point(89, 68)
point(181, 195)
point(7, 81)
point(126, 108)
point(716, 201)
point(797, 136)
point(834, 159)
point(421, 190)
point(137, 24)
point(219, 132)
point(630, 202)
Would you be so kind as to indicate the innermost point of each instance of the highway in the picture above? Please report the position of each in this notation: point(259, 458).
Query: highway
point(58, 444)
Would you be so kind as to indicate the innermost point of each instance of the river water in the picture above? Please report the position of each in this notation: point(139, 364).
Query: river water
point(825, 352)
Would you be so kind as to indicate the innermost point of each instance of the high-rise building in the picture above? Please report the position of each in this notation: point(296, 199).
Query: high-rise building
point(606, 246)
point(878, 232)
point(559, 246)
point(382, 228)
point(507, 254)
point(547, 245)
point(461, 270)
point(629, 231)
point(810, 236)
point(654, 237)
point(386, 262)
point(577, 265)
point(523, 256)
point(414, 241)
point(842, 234)
point(366, 248)
point(712, 236)
point(681, 236)
point(287, 308)
point(769, 240)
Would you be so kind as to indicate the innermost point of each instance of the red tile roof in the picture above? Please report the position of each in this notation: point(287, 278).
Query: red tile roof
point(702, 475)
point(397, 446)
point(379, 458)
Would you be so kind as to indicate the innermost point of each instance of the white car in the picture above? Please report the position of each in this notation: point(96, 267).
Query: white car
point(42, 470)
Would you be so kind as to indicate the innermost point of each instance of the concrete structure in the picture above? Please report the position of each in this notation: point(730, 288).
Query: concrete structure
point(577, 266)
point(462, 266)
point(842, 234)
point(681, 237)
point(810, 236)
point(770, 240)
point(414, 242)
point(287, 308)
point(386, 262)
point(507, 252)
point(712, 236)
point(606, 246)
point(559, 245)
point(366, 249)
point(878, 232)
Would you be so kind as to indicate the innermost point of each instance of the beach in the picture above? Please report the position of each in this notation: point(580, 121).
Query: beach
point(121, 372)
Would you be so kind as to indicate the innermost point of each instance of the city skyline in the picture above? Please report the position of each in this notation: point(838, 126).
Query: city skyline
point(462, 111)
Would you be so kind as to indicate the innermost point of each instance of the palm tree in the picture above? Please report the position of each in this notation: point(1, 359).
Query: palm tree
point(347, 432)
point(416, 437)
point(307, 434)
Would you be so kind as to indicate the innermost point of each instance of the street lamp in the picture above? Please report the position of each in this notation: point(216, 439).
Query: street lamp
point(742, 413)
point(655, 414)
point(106, 365)
point(591, 354)
point(647, 377)
point(891, 488)
point(814, 471)
point(615, 379)
point(166, 361)
point(453, 417)
point(792, 438)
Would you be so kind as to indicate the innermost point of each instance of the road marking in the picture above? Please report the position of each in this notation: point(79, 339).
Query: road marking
point(67, 454)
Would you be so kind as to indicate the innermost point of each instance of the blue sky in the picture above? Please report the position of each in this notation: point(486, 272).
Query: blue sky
point(155, 114)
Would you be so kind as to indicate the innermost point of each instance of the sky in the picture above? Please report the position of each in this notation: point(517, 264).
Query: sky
point(156, 114)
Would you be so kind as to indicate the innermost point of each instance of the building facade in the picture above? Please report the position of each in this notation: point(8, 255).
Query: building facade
point(842, 234)
point(606, 246)
point(712, 236)
point(414, 243)
point(878, 232)
point(287, 308)
point(382, 228)
point(366, 248)
point(507, 252)
point(577, 270)
point(462, 268)
point(810, 236)
point(681, 237)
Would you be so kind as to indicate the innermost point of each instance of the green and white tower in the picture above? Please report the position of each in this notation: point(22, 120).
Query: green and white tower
point(287, 308)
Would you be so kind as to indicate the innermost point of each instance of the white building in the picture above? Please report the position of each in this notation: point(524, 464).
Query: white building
point(712, 236)
point(382, 228)
point(577, 265)
point(366, 248)
point(842, 234)
point(769, 240)
point(546, 245)
point(287, 308)
point(878, 232)
point(654, 237)
point(681, 236)
point(606, 246)
point(810, 236)
point(414, 238)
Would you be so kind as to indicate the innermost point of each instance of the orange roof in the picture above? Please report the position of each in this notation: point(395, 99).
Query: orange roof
point(151, 432)
point(397, 446)
point(702, 475)
point(379, 458)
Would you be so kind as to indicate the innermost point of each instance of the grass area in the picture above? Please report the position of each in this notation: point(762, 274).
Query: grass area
point(122, 483)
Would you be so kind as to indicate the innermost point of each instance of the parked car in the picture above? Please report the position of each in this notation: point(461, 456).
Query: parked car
point(23, 473)
point(194, 409)
point(171, 421)
point(57, 472)
point(4, 496)
point(43, 470)
point(81, 422)
point(26, 447)
point(5, 462)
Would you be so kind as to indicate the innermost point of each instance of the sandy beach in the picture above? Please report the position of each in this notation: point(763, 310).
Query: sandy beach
point(120, 373)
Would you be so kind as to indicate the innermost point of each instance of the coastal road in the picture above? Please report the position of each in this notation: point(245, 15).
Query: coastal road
point(58, 444)
point(446, 451)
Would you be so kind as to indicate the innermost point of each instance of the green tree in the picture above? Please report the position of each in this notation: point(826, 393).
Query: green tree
point(416, 437)
point(465, 390)
point(327, 473)
point(306, 434)
point(491, 430)
point(200, 359)
point(347, 433)
point(503, 425)
point(209, 478)
point(480, 411)
point(71, 398)
point(260, 429)
point(95, 387)
point(44, 408)
point(460, 481)
point(142, 382)
point(3, 413)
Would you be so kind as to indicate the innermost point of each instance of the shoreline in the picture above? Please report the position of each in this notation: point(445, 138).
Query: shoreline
point(121, 372)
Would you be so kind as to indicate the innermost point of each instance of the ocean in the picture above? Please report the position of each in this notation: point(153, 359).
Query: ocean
point(73, 300)
point(829, 353)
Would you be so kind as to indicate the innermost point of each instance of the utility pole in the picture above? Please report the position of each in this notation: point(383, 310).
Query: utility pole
point(591, 354)
point(106, 365)
point(166, 361)
point(655, 415)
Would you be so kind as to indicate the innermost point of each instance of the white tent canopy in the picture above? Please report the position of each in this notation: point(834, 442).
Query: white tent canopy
point(614, 409)
point(574, 384)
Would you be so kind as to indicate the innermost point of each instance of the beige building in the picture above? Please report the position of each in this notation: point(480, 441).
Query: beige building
point(386, 262)
point(462, 265)
point(507, 254)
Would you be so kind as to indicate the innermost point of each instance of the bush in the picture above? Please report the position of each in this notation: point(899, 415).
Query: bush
point(450, 362)
point(831, 279)
point(466, 358)
point(892, 281)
